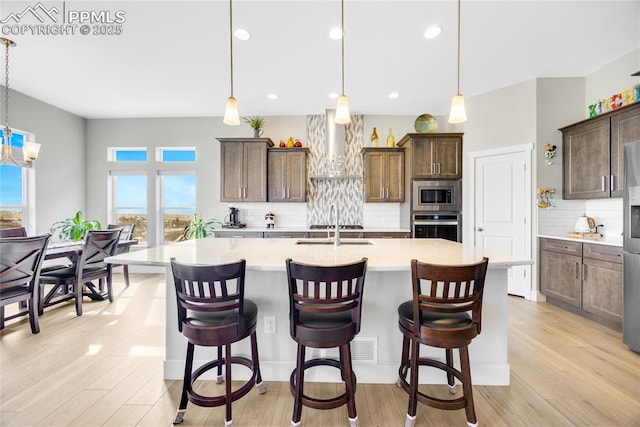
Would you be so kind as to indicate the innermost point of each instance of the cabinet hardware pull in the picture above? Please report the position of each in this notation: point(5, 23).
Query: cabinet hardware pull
point(577, 270)
point(438, 168)
point(240, 192)
point(584, 272)
point(433, 167)
point(603, 184)
point(611, 182)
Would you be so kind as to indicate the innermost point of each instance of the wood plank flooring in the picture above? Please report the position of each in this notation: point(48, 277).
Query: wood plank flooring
point(105, 369)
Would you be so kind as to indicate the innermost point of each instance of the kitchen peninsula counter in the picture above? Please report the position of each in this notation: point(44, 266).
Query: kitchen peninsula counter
point(387, 284)
point(604, 240)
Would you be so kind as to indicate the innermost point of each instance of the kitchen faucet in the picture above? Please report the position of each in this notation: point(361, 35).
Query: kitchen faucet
point(336, 235)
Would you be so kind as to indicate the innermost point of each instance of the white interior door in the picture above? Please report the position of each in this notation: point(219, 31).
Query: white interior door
point(501, 213)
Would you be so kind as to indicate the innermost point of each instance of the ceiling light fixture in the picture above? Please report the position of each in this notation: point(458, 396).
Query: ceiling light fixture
point(231, 115)
point(458, 114)
point(394, 95)
point(272, 96)
point(342, 105)
point(333, 95)
point(29, 149)
point(432, 32)
point(335, 34)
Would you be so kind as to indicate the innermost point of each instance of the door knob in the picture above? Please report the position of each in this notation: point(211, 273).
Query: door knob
point(479, 229)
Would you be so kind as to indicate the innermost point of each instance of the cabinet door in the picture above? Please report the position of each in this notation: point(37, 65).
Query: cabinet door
point(560, 277)
point(395, 177)
point(625, 127)
point(277, 167)
point(285, 234)
point(602, 289)
point(255, 172)
point(231, 173)
point(586, 160)
point(374, 177)
point(422, 158)
point(448, 157)
point(296, 176)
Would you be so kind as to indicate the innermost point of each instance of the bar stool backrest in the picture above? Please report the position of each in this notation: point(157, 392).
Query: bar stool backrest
point(205, 289)
point(325, 289)
point(448, 289)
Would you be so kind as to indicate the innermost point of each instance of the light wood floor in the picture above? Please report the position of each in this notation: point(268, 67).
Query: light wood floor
point(105, 368)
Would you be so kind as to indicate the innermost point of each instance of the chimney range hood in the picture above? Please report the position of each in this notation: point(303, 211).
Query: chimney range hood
point(335, 140)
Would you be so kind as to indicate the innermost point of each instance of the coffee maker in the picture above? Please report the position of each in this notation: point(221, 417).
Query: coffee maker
point(234, 219)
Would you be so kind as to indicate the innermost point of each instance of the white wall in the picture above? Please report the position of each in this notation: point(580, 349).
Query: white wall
point(60, 167)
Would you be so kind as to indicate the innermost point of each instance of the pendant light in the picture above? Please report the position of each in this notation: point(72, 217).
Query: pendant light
point(29, 149)
point(458, 113)
point(231, 115)
point(342, 105)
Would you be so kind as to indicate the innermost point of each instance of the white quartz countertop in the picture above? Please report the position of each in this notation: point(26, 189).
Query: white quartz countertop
point(604, 240)
point(270, 254)
point(307, 229)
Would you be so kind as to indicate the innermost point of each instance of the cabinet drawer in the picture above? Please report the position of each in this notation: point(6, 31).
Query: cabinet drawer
point(561, 246)
point(284, 234)
point(602, 252)
point(239, 234)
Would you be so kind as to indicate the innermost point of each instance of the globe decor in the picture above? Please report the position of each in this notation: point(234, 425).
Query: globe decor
point(426, 123)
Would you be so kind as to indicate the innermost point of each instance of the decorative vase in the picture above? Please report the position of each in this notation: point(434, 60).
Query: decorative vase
point(257, 133)
point(391, 141)
point(374, 138)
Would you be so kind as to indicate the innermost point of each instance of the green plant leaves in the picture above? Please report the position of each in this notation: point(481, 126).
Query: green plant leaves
point(74, 228)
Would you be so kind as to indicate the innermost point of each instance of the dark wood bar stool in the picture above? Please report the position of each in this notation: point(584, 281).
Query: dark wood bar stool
point(213, 312)
point(445, 312)
point(325, 306)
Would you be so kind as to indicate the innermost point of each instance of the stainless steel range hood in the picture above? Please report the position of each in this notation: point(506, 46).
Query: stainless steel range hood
point(335, 141)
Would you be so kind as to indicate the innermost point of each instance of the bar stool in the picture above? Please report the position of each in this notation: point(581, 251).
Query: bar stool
point(213, 312)
point(325, 306)
point(448, 310)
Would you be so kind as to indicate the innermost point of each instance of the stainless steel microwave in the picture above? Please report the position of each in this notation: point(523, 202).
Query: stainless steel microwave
point(437, 196)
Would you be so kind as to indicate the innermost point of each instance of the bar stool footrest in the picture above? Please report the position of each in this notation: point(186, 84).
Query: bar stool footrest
point(209, 401)
point(315, 403)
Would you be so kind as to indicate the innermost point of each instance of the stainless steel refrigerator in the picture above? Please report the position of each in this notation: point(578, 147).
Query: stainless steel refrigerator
point(631, 246)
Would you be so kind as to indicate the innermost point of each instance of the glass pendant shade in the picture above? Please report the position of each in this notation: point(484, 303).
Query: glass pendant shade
point(231, 116)
point(30, 151)
point(457, 114)
point(342, 110)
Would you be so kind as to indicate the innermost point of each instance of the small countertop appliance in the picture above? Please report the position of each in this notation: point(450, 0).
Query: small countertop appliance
point(234, 219)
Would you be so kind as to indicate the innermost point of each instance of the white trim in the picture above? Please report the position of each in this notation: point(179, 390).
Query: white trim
point(527, 150)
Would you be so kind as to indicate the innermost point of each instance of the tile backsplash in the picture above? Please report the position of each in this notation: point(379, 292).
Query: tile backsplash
point(562, 218)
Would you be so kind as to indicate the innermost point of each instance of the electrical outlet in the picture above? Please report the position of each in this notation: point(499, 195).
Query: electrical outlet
point(269, 324)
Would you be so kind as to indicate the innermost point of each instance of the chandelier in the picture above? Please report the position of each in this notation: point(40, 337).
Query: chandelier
point(29, 149)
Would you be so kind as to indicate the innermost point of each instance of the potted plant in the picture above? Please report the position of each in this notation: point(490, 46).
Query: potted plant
point(199, 228)
point(256, 123)
point(74, 228)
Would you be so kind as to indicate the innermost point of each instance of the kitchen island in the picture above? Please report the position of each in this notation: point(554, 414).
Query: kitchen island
point(376, 350)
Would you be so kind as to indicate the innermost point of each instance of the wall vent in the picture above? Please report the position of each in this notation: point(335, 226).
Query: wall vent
point(363, 349)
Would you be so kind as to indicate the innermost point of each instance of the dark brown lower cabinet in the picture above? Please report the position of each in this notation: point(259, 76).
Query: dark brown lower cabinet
point(583, 277)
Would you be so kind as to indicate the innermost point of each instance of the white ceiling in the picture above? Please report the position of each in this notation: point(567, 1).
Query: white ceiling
point(173, 56)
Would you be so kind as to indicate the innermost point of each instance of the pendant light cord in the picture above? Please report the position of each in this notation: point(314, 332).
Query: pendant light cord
point(459, 47)
point(6, 84)
point(231, 42)
point(342, 45)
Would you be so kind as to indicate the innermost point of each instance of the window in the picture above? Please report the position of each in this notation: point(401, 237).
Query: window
point(130, 201)
point(178, 199)
point(12, 189)
point(187, 154)
point(132, 154)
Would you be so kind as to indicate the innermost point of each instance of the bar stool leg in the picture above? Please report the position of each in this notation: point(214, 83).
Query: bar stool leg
point(405, 356)
point(297, 398)
point(262, 388)
point(413, 385)
point(467, 388)
point(347, 374)
point(227, 373)
point(219, 378)
point(450, 378)
point(186, 382)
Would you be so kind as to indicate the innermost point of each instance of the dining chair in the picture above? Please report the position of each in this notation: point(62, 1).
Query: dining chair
point(325, 308)
point(20, 263)
point(90, 266)
point(213, 312)
point(445, 312)
point(125, 234)
point(13, 232)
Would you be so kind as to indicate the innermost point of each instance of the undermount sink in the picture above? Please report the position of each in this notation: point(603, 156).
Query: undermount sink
point(343, 242)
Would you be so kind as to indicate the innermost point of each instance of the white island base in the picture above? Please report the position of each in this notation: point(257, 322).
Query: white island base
point(377, 349)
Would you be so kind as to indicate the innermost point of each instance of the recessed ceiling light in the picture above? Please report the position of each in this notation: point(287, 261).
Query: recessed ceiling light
point(394, 95)
point(272, 96)
point(242, 34)
point(335, 33)
point(432, 32)
point(333, 95)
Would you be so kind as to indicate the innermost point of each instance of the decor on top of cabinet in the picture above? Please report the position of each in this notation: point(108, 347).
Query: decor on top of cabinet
point(391, 141)
point(615, 101)
point(550, 154)
point(425, 123)
point(374, 137)
point(256, 123)
point(544, 197)
point(270, 220)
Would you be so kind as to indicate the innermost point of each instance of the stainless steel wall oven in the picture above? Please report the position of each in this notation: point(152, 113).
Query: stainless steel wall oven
point(438, 225)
